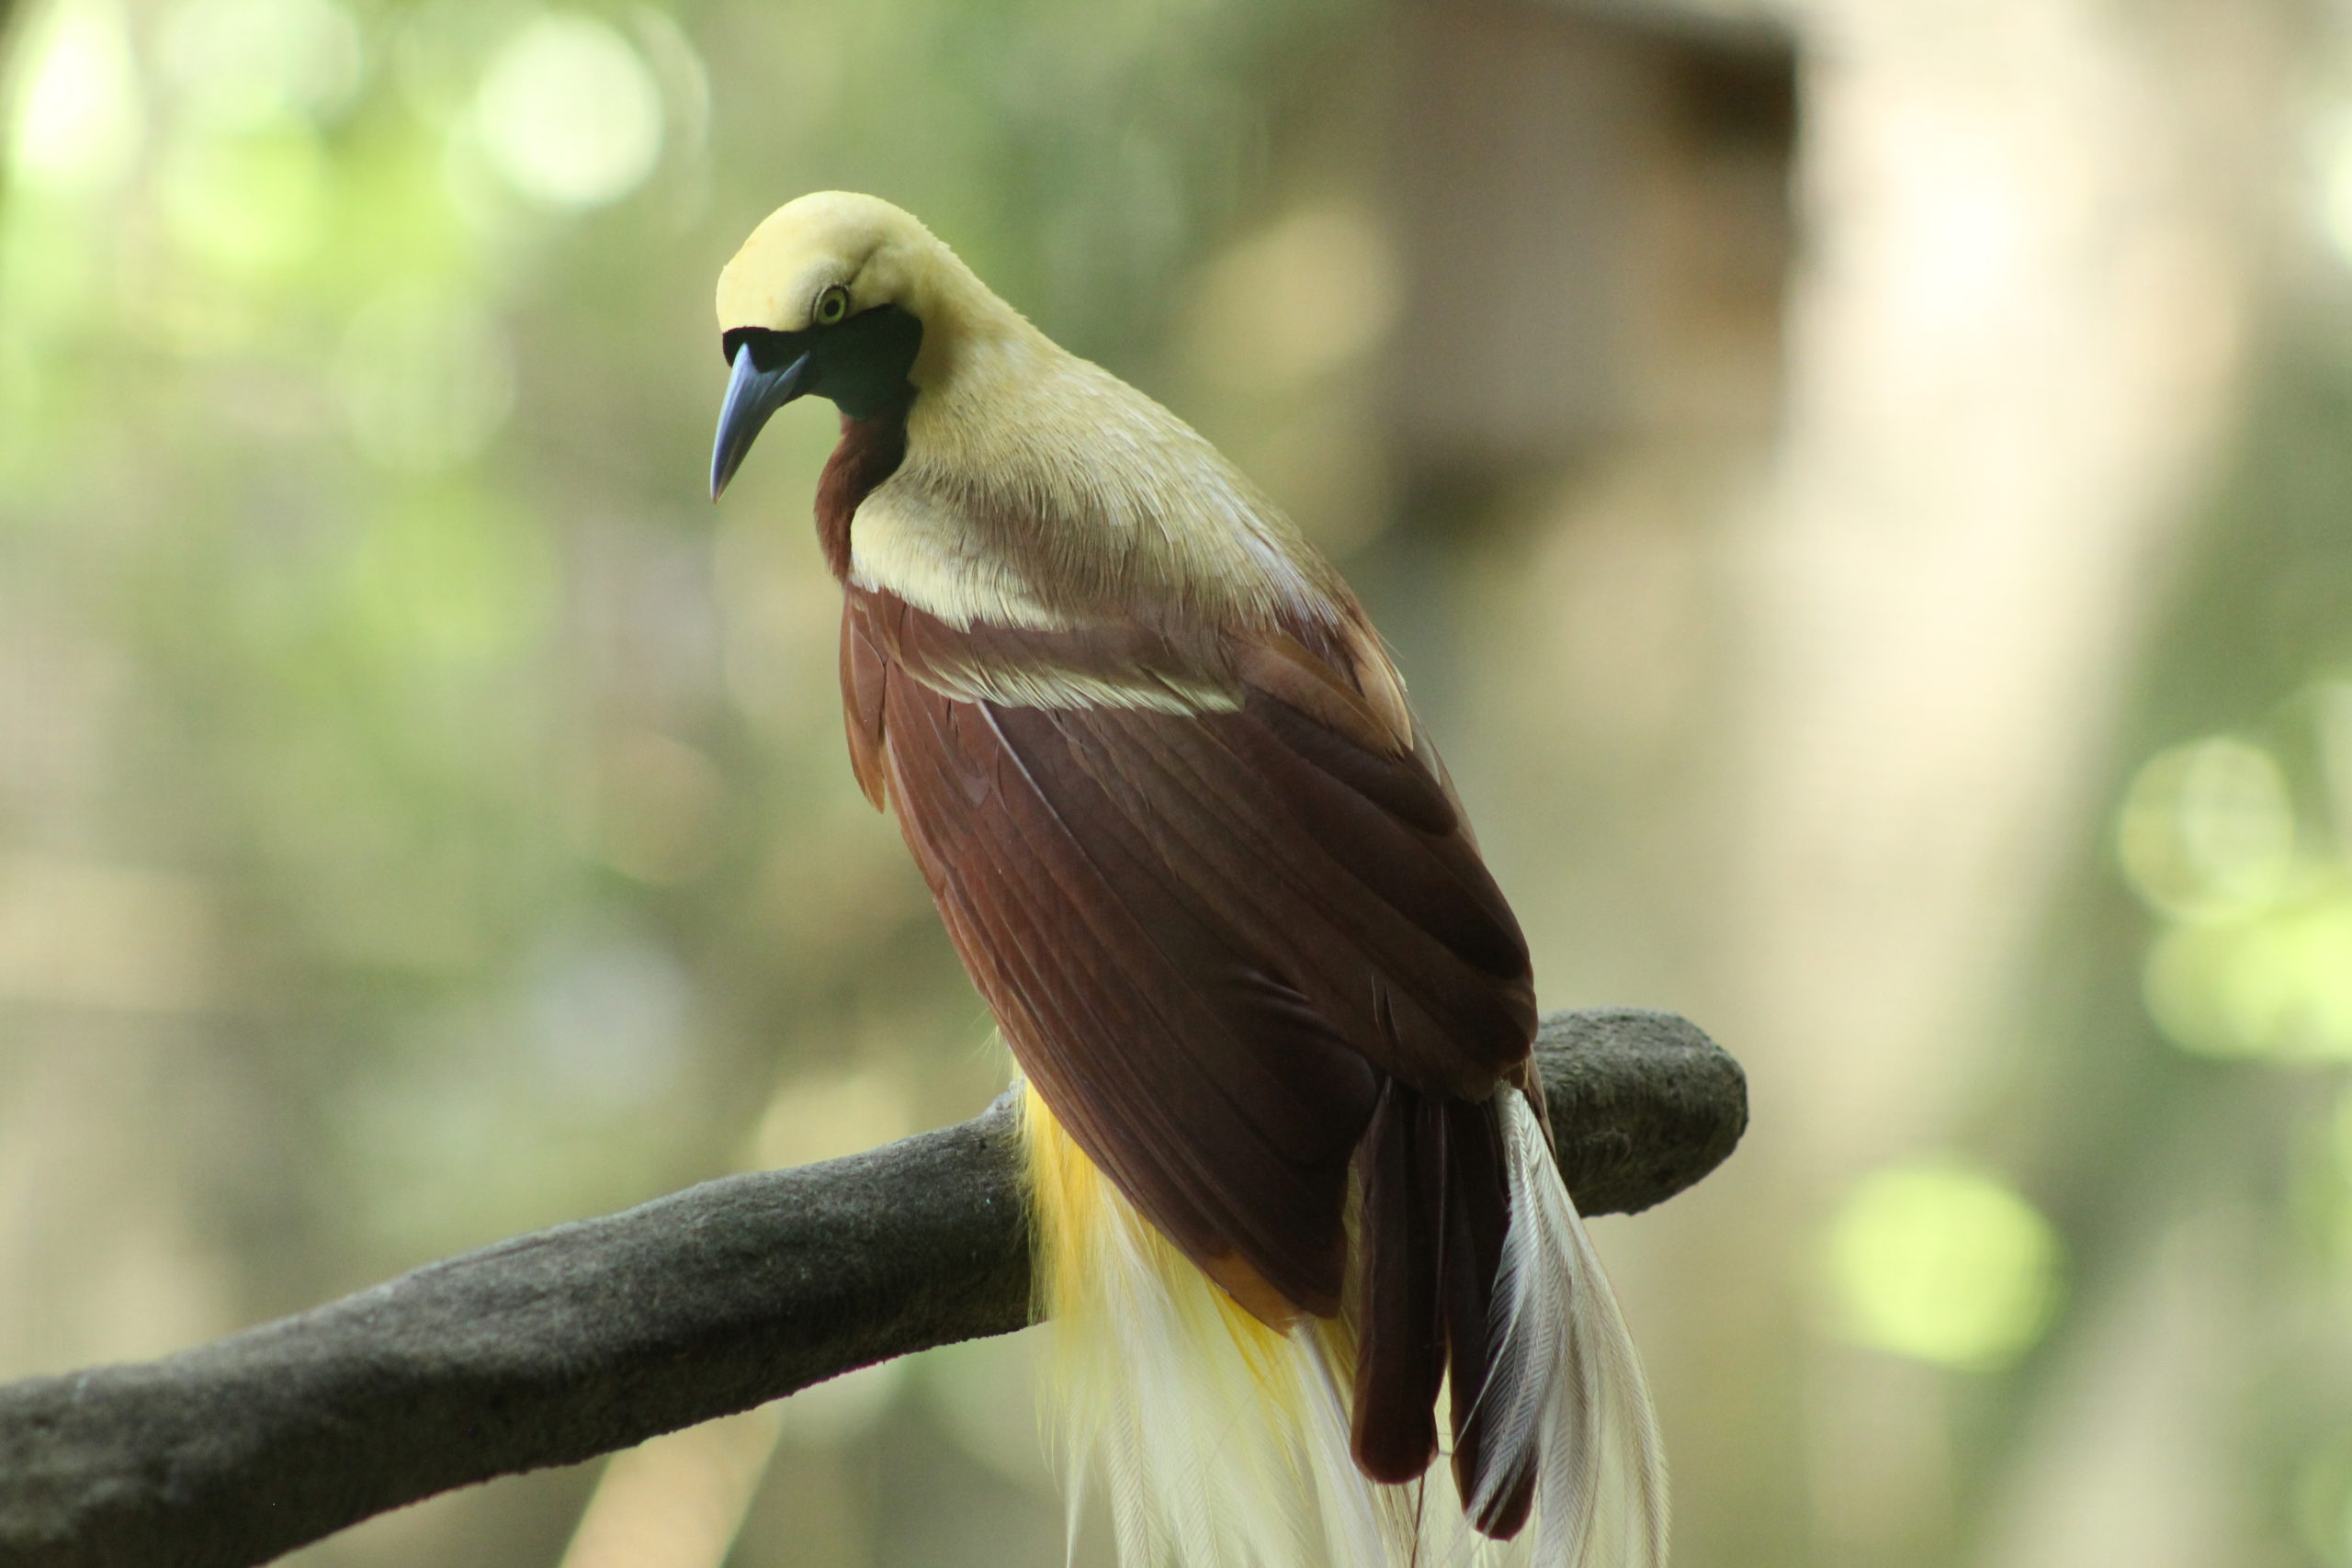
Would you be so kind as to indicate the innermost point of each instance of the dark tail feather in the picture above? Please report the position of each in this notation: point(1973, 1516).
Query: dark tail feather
point(1400, 1343)
point(1436, 1205)
point(1477, 1213)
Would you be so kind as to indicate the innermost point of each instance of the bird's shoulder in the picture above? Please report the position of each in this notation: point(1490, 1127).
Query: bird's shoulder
point(1040, 490)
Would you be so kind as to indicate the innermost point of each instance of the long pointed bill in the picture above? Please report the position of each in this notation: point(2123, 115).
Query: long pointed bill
point(752, 394)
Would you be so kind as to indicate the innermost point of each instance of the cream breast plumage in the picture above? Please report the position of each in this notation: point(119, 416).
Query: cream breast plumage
point(1290, 1179)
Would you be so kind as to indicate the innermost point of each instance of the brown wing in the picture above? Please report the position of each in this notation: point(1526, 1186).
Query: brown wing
point(1210, 897)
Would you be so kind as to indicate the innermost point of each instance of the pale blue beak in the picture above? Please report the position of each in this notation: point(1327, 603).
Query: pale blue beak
point(752, 394)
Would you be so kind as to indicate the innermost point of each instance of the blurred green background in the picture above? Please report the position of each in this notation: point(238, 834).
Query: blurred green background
point(1861, 492)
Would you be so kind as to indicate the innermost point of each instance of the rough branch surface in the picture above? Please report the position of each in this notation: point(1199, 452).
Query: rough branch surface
point(553, 1347)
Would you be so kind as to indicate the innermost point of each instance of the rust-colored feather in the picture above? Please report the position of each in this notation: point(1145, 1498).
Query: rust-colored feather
point(1183, 826)
point(1217, 940)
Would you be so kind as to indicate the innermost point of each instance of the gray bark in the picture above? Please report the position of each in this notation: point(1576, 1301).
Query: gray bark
point(554, 1348)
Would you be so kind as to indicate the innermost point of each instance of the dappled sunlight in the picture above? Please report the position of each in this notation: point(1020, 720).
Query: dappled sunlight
point(249, 64)
point(2253, 957)
point(1865, 519)
point(2207, 829)
point(568, 113)
point(1941, 1263)
point(78, 111)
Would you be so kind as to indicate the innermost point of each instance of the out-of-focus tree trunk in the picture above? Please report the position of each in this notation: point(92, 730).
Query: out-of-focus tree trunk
point(1830, 711)
point(2013, 355)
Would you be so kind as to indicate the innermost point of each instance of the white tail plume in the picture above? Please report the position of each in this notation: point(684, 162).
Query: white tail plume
point(1567, 1389)
point(1222, 1443)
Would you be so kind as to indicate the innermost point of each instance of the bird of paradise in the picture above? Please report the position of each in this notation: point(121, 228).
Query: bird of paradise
point(1290, 1172)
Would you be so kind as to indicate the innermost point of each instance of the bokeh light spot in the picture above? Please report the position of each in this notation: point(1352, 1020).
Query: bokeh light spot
point(2207, 828)
point(2276, 985)
point(1942, 1264)
point(79, 118)
point(250, 64)
point(250, 205)
point(568, 113)
point(2331, 159)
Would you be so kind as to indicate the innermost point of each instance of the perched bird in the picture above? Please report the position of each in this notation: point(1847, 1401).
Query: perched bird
point(1289, 1160)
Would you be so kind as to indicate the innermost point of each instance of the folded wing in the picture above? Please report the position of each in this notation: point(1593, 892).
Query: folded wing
point(1215, 896)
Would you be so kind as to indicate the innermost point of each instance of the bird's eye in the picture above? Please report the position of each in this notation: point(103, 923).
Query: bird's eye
point(832, 305)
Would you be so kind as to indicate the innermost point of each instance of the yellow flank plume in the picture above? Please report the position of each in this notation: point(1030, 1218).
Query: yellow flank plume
point(1219, 1442)
point(1076, 1216)
point(1217, 1439)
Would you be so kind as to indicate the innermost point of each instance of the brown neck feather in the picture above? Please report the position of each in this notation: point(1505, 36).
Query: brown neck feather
point(870, 450)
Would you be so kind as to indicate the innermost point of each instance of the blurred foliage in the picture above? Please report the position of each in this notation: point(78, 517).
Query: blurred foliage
point(2224, 1105)
point(422, 817)
point(355, 378)
point(2256, 955)
point(402, 767)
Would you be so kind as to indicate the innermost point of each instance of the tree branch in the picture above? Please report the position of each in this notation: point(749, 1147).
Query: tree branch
point(554, 1348)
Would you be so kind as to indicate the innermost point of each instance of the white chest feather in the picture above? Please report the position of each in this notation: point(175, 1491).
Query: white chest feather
point(914, 544)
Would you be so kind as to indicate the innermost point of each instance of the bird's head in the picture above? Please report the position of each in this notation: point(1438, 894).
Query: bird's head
point(834, 294)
